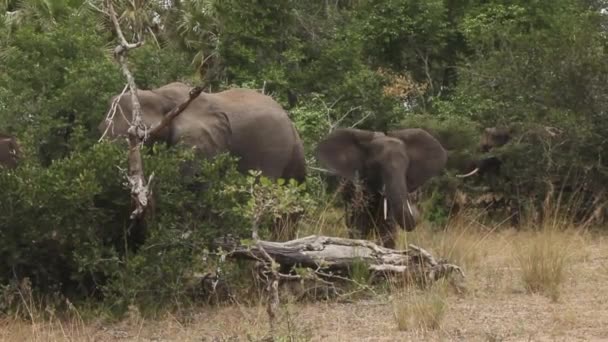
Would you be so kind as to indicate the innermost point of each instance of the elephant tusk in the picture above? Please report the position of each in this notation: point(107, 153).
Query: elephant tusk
point(384, 203)
point(469, 174)
point(385, 207)
point(409, 208)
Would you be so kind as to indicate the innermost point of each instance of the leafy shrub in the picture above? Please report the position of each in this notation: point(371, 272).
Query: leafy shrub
point(67, 227)
point(54, 82)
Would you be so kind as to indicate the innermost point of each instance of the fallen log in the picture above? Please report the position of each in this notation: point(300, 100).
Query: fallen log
point(331, 257)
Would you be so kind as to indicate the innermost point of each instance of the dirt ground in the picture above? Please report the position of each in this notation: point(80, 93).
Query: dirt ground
point(495, 307)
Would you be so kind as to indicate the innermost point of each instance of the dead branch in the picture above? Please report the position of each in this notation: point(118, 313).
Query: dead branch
point(335, 124)
point(112, 112)
point(336, 256)
point(194, 93)
point(136, 132)
point(360, 120)
point(269, 266)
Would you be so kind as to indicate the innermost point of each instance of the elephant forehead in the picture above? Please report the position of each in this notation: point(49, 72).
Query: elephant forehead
point(386, 141)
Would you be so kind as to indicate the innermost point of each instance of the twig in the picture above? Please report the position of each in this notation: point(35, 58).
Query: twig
point(345, 279)
point(343, 117)
point(112, 112)
point(319, 169)
point(328, 110)
point(360, 120)
point(273, 282)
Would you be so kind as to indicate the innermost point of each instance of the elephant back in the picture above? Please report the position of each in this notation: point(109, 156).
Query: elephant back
point(246, 123)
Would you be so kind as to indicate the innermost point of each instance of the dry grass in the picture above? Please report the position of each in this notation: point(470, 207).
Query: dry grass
point(329, 222)
point(502, 265)
point(547, 252)
point(543, 259)
point(421, 310)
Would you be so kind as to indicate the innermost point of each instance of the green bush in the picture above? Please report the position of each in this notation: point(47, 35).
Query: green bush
point(67, 227)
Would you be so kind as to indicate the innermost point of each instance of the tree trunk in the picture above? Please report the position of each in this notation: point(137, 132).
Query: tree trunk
point(331, 255)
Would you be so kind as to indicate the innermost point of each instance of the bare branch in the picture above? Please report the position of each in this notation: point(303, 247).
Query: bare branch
point(121, 36)
point(427, 69)
point(194, 93)
point(360, 120)
point(112, 112)
point(137, 130)
point(319, 169)
point(343, 117)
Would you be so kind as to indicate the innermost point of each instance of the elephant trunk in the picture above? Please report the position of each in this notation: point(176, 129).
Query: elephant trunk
point(401, 210)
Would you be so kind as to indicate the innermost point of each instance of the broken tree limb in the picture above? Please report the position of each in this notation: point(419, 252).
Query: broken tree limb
point(140, 191)
point(194, 93)
point(270, 267)
point(138, 132)
point(338, 255)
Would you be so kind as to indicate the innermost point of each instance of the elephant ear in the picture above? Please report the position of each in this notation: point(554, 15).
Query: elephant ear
point(427, 157)
point(344, 151)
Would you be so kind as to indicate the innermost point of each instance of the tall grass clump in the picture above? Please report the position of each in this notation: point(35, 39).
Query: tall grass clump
point(544, 255)
point(421, 310)
point(543, 260)
point(463, 240)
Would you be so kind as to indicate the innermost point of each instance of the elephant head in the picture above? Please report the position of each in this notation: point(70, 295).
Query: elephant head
point(392, 164)
point(202, 125)
point(9, 151)
point(155, 104)
point(491, 138)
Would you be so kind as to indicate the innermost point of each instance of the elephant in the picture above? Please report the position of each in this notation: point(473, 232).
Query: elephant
point(496, 137)
point(243, 122)
point(491, 138)
point(9, 151)
point(389, 166)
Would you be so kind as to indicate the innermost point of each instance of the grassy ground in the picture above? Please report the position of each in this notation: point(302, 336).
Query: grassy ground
point(551, 284)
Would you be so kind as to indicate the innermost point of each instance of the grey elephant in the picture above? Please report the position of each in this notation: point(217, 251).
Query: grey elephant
point(243, 122)
point(388, 167)
point(491, 138)
point(9, 151)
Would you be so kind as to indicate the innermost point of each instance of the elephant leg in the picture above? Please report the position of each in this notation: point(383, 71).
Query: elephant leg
point(284, 227)
point(388, 235)
point(359, 224)
point(387, 229)
point(370, 220)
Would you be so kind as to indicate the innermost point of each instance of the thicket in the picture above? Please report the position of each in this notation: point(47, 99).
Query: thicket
point(454, 68)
